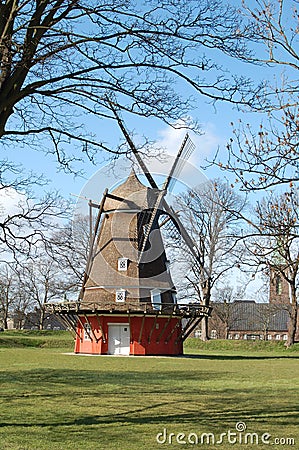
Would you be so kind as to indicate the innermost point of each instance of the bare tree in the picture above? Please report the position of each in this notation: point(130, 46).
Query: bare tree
point(70, 249)
point(210, 215)
point(224, 308)
point(275, 23)
point(25, 219)
point(267, 156)
point(41, 282)
point(277, 245)
point(8, 293)
point(62, 60)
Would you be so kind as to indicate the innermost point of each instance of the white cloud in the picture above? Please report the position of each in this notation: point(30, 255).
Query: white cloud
point(206, 144)
point(10, 201)
point(170, 140)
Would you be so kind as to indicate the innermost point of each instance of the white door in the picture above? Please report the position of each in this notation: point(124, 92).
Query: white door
point(119, 339)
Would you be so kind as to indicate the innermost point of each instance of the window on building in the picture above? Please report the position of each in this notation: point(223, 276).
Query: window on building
point(277, 337)
point(87, 332)
point(120, 296)
point(213, 334)
point(122, 264)
point(174, 298)
point(285, 337)
point(156, 299)
point(237, 336)
point(197, 334)
point(269, 337)
point(167, 264)
point(278, 285)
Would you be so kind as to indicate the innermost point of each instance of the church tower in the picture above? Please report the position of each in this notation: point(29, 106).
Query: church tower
point(279, 288)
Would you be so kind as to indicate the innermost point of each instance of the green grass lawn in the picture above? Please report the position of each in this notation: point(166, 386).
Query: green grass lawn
point(51, 399)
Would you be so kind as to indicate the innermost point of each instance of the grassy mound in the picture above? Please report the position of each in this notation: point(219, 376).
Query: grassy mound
point(36, 338)
point(240, 346)
point(63, 339)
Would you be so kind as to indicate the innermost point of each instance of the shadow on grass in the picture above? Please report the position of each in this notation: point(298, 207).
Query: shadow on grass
point(150, 415)
point(110, 403)
point(237, 357)
point(49, 379)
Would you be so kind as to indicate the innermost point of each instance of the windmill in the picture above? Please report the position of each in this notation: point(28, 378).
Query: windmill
point(127, 304)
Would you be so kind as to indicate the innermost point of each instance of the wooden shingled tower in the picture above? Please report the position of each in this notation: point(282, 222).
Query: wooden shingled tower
point(127, 304)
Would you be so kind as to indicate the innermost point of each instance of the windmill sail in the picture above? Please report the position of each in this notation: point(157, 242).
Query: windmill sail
point(184, 153)
point(177, 223)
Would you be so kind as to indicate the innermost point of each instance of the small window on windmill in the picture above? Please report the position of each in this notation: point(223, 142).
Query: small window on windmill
point(156, 299)
point(167, 264)
point(122, 264)
point(120, 296)
point(174, 298)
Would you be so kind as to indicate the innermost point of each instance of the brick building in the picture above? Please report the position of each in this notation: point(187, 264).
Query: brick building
point(247, 319)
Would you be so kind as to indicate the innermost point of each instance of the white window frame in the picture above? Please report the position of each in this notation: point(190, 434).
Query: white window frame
point(174, 298)
point(156, 299)
point(122, 264)
point(167, 264)
point(197, 334)
point(213, 334)
point(120, 296)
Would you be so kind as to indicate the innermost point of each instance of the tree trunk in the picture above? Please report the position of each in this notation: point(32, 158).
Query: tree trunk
point(226, 332)
point(205, 329)
point(293, 318)
point(5, 321)
point(42, 318)
point(206, 289)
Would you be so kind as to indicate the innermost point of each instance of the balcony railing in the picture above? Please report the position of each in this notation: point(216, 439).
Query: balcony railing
point(184, 310)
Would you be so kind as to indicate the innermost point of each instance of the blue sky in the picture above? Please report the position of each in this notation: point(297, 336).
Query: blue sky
point(215, 123)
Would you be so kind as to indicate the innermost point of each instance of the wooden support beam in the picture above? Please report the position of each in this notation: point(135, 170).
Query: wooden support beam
point(101, 328)
point(90, 224)
point(66, 324)
point(184, 329)
point(130, 328)
point(172, 331)
point(197, 320)
point(92, 330)
point(84, 329)
point(115, 197)
point(153, 327)
point(141, 329)
point(164, 328)
point(92, 239)
point(66, 320)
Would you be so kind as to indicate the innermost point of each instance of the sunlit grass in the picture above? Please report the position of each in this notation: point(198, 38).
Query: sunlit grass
point(52, 400)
